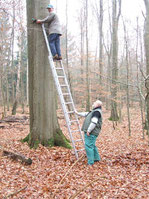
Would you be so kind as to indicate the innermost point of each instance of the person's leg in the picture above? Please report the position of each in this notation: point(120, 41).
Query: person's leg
point(96, 153)
point(52, 38)
point(89, 147)
point(57, 45)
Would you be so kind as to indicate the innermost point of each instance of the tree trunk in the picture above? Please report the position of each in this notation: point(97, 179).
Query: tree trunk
point(101, 41)
point(22, 94)
point(12, 50)
point(7, 91)
point(87, 63)
point(146, 43)
point(3, 97)
point(99, 15)
point(44, 127)
point(67, 58)
point(138, 84)
point(27, 85)
point(81, 20)
point(17, 96)
point(115, 19)
point(127, 88)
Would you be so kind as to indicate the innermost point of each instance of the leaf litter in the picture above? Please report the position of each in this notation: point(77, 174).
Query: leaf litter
point(123, 171)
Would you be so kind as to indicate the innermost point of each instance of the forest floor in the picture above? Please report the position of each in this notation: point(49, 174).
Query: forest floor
point(123, 171)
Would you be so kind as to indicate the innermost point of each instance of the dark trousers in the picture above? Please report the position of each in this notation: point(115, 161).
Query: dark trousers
point(54, 43)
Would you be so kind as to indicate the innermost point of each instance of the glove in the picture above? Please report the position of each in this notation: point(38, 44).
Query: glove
point(34, 20)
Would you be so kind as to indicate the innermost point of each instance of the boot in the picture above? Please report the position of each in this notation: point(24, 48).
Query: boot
point(59, 58)
point(55, 57)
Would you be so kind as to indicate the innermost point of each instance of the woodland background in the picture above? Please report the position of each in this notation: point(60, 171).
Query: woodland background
point(106, 60)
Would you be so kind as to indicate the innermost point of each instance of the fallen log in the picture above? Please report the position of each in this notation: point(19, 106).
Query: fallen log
point(14, 119)
point(17, 157)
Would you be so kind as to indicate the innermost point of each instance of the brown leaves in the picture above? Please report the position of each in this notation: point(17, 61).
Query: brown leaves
point(122, 173)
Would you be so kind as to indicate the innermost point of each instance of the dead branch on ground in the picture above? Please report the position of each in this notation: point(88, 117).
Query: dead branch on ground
point(17, 157)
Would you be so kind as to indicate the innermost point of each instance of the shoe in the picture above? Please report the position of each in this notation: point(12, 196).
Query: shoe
point(96, 160)
point(55, 57)
point(59, 58)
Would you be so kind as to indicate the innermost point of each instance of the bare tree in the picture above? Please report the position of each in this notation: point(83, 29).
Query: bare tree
point(12, 46)
point(87, 61)
point(115, 20)
point(20, 45)
point(146, 43)
point(127, 69)
point(67, 50)
point(4, 57)
point(99, 16)
point(141, 97)
point(81, 20)
point(44, 127)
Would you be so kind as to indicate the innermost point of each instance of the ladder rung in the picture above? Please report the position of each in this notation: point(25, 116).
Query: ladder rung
point(73, 121)
point(69, 112)
point(68, 103)
point(59, 68)
point(61, 76)
point(80, 150)
point(66, 93)
point(78, 140)
point(74, 131)
point(63, 85)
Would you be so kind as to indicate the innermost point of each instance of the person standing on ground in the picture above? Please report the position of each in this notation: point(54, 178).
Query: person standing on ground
point(91, 127)
point(54, 32)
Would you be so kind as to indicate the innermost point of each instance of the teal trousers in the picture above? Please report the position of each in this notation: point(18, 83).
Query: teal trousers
point(91, 149)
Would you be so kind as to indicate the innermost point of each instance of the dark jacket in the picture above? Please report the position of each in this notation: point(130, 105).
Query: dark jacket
point(87, 122)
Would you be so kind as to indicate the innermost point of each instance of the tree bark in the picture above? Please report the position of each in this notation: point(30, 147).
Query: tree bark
point(87, 63)
point(146, 43)
point(44, 127)
point(12, 48)
point(138, 84)
point(127, 87)
point(115, 19)
point(17, 96)
point(101, 41)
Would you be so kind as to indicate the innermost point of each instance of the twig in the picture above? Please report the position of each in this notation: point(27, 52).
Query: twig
point(78, 192)
point(67, 174)
point(14, 193)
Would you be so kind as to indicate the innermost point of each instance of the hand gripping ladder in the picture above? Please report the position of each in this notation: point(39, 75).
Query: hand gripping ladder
point(66, 101)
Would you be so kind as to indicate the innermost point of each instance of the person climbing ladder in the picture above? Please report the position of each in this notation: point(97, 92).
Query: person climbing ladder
point(54, 32)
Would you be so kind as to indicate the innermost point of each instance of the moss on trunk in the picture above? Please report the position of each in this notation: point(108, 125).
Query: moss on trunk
point(61, 140)
point(58, 140)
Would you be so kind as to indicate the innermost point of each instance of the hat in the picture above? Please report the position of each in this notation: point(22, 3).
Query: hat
point(50, 6)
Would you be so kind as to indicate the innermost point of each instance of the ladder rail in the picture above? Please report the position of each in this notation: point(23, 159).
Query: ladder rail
point(59, 90)
point(71, 99)
point(46, 39)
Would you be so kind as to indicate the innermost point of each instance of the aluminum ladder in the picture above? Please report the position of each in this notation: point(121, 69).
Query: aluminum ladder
point(66, 100)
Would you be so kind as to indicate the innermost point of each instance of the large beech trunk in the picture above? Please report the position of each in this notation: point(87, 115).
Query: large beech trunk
point(44, 126)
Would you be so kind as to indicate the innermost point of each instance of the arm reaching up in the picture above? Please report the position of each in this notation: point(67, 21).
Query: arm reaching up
point(82, 114)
